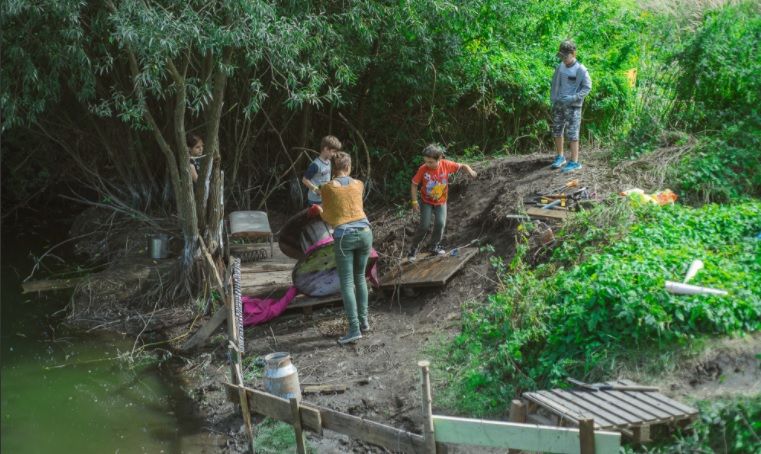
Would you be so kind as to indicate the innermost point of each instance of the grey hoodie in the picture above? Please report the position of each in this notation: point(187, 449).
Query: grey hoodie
point(583, 85)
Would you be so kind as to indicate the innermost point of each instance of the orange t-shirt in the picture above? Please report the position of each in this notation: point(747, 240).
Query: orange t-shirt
point(435, 182)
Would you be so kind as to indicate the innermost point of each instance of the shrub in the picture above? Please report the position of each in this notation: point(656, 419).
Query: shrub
point(576, 315)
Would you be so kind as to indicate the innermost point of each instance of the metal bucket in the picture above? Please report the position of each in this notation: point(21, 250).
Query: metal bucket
point(158, 246)
point(281, 377)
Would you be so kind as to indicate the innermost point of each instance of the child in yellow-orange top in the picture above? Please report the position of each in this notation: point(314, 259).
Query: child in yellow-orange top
point(433, 180)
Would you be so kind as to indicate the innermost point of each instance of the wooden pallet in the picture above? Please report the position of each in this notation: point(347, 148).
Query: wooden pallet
point(427, 271)
point(633, 413)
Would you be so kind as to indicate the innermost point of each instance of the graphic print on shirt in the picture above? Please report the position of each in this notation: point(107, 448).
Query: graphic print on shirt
point(435, 185)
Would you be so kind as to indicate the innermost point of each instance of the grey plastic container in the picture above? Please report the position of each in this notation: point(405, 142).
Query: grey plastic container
point(281, 377)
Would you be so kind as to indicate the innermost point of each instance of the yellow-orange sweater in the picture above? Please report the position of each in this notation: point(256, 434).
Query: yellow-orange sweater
point(342, 204)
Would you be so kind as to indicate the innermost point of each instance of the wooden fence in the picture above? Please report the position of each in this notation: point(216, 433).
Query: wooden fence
point(438, 431)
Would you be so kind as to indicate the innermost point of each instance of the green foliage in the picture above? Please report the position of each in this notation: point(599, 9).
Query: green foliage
point(703, 82)
point(731, 426)
point(275, 437)
point(603, 295)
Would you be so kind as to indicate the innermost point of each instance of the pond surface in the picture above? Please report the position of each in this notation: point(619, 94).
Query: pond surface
point(64, 391)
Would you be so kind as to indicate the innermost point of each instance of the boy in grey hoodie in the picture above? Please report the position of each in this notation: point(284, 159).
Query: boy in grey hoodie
point(570, 85)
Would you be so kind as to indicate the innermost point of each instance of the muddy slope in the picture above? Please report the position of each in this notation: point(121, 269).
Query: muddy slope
point(403, 326)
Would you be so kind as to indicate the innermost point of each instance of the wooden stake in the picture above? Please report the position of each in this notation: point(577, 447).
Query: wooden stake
point(517, 414)
point(300, 441)
point(428, 431)
point(587, 436)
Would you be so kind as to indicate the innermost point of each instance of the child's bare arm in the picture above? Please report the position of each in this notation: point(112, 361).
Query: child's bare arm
point(311, 186)
point(470, 170)
point(413, 197)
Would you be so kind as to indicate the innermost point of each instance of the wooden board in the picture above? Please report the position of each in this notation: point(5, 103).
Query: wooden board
point(302, 301)
point(536, 212)
point(428, 271)
point(44, 285)
point(613, 409)
point(526, 437)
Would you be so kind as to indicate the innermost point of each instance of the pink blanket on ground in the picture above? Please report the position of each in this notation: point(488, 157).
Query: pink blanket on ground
point(260, 310)
point(257, 310)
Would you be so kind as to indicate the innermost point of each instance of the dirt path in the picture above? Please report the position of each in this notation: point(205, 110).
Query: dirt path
point(403, 327)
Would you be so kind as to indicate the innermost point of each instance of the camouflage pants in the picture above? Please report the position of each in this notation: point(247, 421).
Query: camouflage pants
point(568, 119)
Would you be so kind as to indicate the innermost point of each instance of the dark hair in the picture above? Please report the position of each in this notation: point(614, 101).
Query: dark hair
point(434, 151)
point(567, 47)
point(341, 161)
point(331, 142)
point(192, 139)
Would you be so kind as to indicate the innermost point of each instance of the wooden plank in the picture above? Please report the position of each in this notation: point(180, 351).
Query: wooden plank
point(265, 267)
point(266, 278)
point(599, 419)
point(428, 272)
point(296, 413)
point(302, 301)
point(525, 437)
point(554, 407)
point(648, 397)
point(317, 389)
point(629, 412)
point(44, 285)
point(591, 409)
point(280, 409)
point(593, 399)
point(657, 413)
point(660, 397)
point(206, 330)
point(372, 432)
point(540, 420)
point(536, 212)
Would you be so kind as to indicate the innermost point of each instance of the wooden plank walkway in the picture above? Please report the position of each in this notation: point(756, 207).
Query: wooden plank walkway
point(614, 409)
point(427, 270)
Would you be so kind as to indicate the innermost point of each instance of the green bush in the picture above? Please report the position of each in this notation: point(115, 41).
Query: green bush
point(584, 310)
point(704, 82)
point(731, 426)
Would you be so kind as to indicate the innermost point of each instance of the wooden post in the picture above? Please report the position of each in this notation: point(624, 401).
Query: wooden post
point(587, 436)
point(300, 441)
point(428, 432)
point(517, 414)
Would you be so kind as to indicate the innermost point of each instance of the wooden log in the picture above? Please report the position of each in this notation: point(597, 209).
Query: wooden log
point(428, 431)
point(372, 432)
point(45, 285)
point(296, 413)
point(587, 436)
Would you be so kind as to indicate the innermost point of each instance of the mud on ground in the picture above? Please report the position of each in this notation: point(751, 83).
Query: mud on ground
point(404, 326)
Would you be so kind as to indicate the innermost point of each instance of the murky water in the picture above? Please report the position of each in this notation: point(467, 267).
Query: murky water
point(67, 392)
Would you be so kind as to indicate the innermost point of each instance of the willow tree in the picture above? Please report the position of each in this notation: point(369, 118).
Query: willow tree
point(162, 68)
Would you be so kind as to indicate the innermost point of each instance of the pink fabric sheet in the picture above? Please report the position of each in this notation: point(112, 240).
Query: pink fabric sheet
point(260, 310)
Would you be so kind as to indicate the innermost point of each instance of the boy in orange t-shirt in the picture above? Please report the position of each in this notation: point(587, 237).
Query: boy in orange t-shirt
point(433, 180)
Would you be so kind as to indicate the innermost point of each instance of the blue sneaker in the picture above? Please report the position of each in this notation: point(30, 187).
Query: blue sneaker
point(571, 166)
point(558, 162)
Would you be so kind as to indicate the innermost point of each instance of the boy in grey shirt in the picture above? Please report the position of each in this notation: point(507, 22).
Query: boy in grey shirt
point(570, 85)
point(318, 172)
